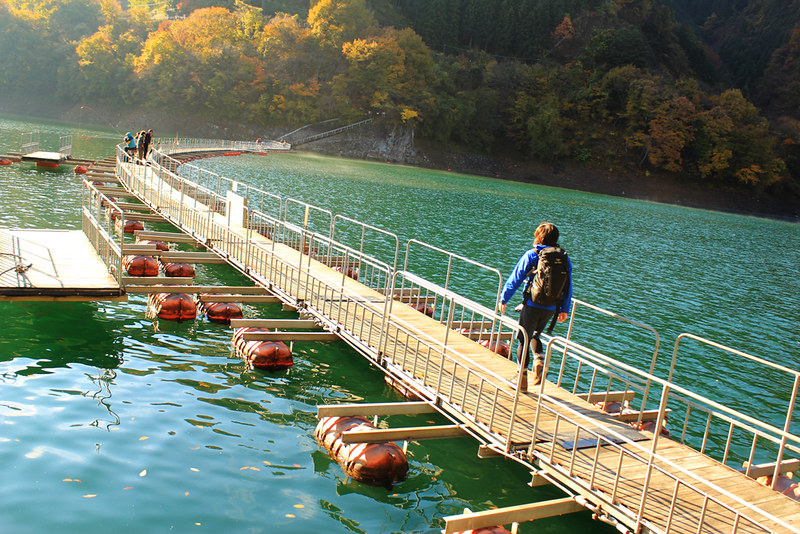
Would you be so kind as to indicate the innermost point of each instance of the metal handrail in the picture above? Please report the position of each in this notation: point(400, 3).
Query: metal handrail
point(65, 145)
point(624, 445)
point(364, 227)
point(308, 209)
point(451, 256)
point(792, 402)
point(29, 142)
point(110, 251)
point(182, 144)
point(691, 399)
point(577, 304)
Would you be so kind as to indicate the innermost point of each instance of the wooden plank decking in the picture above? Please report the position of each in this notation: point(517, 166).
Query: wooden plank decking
point(463, 371)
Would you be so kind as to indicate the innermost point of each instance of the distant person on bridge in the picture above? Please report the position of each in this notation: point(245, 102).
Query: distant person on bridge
point(148, 136)
point(130, 144)
point(547, 295)
point(140, 145)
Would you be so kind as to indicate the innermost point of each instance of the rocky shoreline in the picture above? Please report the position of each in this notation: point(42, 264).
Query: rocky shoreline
point(381, 142)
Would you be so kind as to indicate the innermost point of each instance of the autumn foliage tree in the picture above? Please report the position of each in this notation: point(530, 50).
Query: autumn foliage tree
point(671, 132)
point(340, 21)
point(387, 73)
point(604, 84)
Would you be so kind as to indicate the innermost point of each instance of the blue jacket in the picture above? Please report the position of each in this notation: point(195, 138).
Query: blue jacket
point(525, 268)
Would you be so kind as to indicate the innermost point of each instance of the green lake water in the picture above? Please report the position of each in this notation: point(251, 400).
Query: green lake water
point(112, 422)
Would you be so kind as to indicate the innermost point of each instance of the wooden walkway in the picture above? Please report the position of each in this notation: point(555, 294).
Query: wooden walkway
point(629, 478)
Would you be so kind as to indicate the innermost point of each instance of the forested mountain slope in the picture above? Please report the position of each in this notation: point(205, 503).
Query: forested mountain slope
point(703, 89)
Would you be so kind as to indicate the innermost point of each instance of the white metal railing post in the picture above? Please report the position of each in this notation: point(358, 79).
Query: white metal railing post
point(786, 428)
point(662, 408)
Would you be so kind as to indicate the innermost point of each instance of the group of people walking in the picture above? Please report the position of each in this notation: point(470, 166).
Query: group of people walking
point(138, 145)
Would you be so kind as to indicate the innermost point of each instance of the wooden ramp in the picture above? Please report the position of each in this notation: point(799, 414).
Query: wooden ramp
point(53, 265)
point(629, 478)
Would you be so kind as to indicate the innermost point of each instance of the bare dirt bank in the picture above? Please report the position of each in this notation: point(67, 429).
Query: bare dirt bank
point(398, 146)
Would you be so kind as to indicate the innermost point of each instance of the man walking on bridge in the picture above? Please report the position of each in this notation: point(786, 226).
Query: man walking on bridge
point(547, 295)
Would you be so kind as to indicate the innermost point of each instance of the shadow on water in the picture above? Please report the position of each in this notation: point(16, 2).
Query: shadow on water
point(43, 337)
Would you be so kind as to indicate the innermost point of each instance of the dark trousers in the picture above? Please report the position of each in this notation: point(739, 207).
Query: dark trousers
point(533, 321)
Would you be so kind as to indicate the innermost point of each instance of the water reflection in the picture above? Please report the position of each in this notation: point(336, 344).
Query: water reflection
point(103, 382)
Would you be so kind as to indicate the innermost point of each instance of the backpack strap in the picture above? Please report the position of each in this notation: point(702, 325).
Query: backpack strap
point(558, 306)
point(553, 320)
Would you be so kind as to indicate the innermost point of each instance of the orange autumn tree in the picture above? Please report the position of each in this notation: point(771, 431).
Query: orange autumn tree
point(340, 21)
point(734, 143)
point(671, 131)
point(201, 61)
point(389, 73)
point(298, 72)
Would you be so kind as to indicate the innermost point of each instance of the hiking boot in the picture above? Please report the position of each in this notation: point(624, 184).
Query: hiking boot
point(523, 381)
point(538, 370)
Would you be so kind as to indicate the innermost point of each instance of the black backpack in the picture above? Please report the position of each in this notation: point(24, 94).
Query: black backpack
point(550, 277)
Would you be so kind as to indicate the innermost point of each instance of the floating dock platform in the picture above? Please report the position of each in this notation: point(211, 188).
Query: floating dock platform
point(53, 265)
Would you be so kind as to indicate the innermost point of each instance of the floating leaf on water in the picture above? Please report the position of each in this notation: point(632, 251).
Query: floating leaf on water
point(196, 470)
point(143, 473)
point(186, 494)
point(90, 496)
point(299, 506)
point(143, 438)
point(128, 487)
point(291, 516)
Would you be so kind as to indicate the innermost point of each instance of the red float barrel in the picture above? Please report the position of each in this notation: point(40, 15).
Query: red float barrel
point(178, 269)
point(221, 312)
point(270, 355)
point(81, 169)
point(497, 346)
point(351, 272)
point(785, 485)
point(160, 245)
point(140, 265)
point(172, 306)
point(4, 161)
point(423, 308)
point(650, 426)
point(376, 464)
point(131, 226)
point(612, 407)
